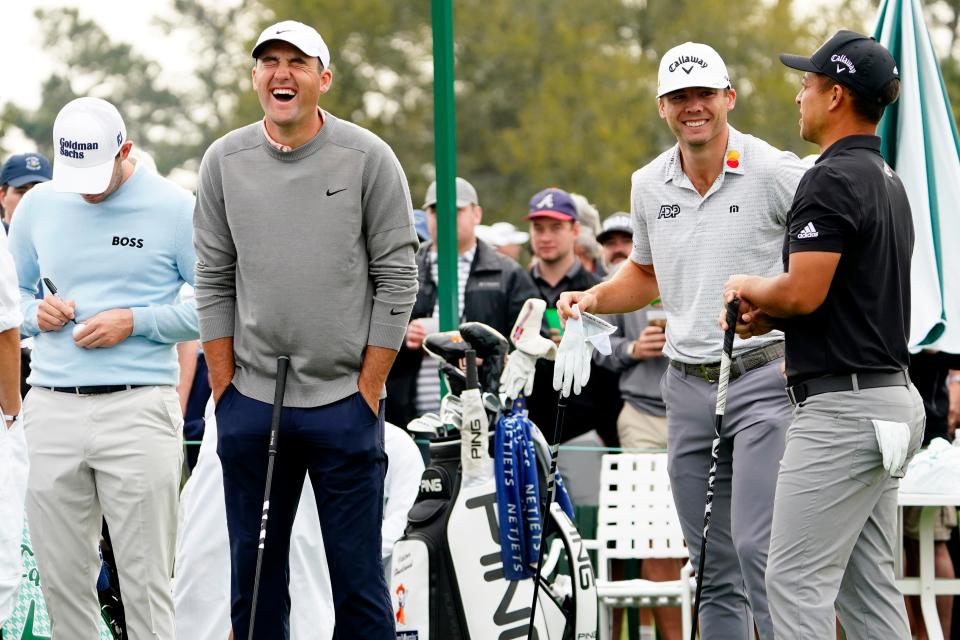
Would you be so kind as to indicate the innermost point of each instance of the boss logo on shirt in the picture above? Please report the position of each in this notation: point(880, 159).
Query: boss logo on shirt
point(127, 242)
point(668, 211)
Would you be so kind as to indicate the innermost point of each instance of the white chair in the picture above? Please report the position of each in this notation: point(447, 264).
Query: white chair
point(637, 519)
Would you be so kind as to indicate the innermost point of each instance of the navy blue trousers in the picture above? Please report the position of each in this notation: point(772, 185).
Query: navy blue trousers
point(340, 446)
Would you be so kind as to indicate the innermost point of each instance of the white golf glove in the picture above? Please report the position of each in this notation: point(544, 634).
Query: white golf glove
point(580, 337)
point(519, 372)
point(894, 441)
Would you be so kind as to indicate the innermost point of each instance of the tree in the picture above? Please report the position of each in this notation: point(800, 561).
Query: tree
point(175, 125)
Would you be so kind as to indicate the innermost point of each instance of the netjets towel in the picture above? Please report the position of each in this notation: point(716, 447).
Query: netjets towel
point(518, 495)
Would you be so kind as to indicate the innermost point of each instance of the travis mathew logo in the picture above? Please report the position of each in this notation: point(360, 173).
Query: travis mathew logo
point(844, 60)
point(73, 149)
point(686, 63)
point(668, 211)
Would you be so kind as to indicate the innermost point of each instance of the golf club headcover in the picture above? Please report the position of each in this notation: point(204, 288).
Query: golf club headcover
point(474, 439)
point(526, 331)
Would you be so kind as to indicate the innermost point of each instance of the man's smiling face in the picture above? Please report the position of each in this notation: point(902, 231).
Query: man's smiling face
point(289, 84)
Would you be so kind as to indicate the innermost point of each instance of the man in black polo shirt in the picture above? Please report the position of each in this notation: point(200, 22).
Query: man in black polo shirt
point(844, 303)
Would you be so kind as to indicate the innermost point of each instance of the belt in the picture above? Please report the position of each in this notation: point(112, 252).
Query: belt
point(710, 371)
point(96, 390)
point(849, 382)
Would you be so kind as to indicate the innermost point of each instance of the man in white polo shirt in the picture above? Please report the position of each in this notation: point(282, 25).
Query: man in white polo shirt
point(705, 208)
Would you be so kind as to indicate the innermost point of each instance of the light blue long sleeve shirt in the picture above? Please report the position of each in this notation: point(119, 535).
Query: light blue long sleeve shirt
point(132, 251)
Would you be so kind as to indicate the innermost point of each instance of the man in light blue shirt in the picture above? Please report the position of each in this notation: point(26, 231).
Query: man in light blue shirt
point(113, 244)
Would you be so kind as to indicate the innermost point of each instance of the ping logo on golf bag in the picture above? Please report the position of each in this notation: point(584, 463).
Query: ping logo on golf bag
point(668, 211)
point(433, 484)
point(477, 446)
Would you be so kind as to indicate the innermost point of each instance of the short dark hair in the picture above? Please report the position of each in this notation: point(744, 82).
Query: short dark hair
point(869, 109)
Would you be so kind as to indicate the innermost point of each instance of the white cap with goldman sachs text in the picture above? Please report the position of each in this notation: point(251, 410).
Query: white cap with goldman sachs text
point(691, 64)
point(302, 36)
point(87, 136)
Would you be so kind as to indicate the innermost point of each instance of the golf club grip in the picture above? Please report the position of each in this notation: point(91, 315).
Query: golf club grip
point(726, 357)
point(472, 375)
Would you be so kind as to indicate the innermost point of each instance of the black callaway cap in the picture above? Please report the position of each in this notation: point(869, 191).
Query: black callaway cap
point(857, 62)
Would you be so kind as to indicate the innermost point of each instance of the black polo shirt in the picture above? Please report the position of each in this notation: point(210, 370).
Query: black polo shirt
point(853, 204)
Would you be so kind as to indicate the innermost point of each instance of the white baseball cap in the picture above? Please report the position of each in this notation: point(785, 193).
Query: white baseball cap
point(87, 136)
point(691, 64)
point(302, 36)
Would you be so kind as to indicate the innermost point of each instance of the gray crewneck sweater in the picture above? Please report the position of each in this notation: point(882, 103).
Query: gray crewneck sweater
point(308, 253)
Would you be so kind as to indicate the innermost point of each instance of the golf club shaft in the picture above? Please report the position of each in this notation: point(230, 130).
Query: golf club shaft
point(725, 358)
point(283, 363)
point(544, 511)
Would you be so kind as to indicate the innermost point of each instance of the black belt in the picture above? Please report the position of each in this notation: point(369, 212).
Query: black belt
point(849, 382)
point(96, 390)
point(710, 371)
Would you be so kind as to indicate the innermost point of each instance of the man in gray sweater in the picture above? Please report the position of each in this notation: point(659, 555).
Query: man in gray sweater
point(305, 244)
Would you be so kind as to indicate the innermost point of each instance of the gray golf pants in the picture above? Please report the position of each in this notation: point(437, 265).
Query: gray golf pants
point(833, 538)
point(752, 439)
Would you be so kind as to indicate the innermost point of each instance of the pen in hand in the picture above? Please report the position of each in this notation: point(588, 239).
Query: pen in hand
point(53, 291)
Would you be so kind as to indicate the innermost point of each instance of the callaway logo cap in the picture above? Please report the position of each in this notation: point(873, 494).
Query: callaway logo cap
point(25, 168)
point(87, 136)
point(619, 222)
point(301, 36)
point(466, 194)
point(691, 64)
point(857, 62)
point(553, 203)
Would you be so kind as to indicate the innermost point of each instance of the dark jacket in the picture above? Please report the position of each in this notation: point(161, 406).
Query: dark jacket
point(599, 403)
point(496, 290)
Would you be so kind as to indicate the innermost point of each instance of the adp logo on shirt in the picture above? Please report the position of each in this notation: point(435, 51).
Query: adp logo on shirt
point(668, 211)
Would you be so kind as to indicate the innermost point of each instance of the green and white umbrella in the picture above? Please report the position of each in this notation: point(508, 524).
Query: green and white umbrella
point(919, 140)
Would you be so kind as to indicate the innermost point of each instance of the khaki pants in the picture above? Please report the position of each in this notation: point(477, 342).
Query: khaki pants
point(638, 430)
point(116, 455)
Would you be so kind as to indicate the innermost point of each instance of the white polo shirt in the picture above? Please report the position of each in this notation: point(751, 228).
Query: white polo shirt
point(696, 243)
point(10, 315)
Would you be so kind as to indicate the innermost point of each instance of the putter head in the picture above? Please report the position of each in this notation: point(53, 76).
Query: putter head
point(491, 348)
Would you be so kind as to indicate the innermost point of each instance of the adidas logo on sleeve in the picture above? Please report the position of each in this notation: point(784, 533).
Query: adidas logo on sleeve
point(808, 231)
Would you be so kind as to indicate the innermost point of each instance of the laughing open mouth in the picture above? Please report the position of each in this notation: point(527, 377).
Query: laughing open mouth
point(284, 95)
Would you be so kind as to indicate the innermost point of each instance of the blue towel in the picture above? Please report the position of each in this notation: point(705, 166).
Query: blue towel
point(518, 495)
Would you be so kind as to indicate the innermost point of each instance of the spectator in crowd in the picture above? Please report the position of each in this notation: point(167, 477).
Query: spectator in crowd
point(554, 228)
point(713, 205)
point(19, 174)
point(12, 444)
point(505, 238)
point(642, 424)
point(332, 288)
point(421, 225)
point(102, 420)
point(589, 253)
point(491, 288)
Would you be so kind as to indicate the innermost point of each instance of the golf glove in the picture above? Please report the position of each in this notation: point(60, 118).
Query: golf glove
point(581, 336)
point(519, 372)
point(894, 441)
point(517, 376)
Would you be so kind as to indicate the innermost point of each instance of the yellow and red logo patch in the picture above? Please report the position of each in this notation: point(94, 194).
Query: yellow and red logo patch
point(733, 159)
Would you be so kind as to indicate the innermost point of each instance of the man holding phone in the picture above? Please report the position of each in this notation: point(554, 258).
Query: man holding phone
point(103, 421)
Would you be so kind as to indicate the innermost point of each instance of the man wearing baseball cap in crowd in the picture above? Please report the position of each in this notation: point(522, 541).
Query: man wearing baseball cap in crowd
point(554, 228)
point(103, 418)
point(844, 302)
point(491, 289)
point(19, 174)
point(331, 286)
point(713, 205)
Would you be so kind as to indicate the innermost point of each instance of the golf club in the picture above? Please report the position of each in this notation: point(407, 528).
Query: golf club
point(545, 505)
point(283, 363)
point(725, 358)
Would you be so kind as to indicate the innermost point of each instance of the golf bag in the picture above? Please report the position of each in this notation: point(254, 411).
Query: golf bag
point(447, 579)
